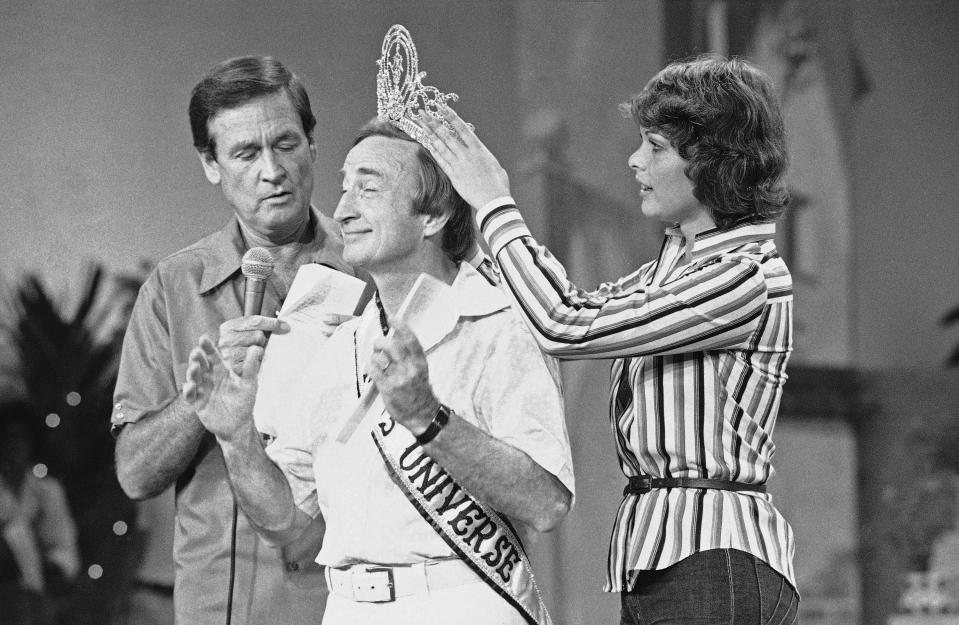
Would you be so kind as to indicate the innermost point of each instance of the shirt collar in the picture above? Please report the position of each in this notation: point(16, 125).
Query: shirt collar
point(470, 295)
point(224, 255)
point(713, 241)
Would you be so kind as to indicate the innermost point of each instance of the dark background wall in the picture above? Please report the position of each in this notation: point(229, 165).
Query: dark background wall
point(905, 164)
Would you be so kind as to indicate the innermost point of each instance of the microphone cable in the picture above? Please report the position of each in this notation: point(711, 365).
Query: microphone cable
point(229, 595)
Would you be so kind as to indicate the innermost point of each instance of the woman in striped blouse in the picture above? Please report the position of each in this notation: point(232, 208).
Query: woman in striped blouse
point(700, 338)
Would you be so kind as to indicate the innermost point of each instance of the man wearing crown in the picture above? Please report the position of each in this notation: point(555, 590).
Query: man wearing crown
point(429, 503)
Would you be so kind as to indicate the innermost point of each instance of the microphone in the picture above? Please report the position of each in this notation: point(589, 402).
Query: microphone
point(257, 266)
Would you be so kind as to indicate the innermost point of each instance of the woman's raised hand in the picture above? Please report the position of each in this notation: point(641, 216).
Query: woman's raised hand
point(475, 173)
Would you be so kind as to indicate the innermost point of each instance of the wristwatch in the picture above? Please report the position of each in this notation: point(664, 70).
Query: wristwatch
point(440, 419)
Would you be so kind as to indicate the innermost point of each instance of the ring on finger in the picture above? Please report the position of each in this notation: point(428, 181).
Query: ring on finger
point(385, 359)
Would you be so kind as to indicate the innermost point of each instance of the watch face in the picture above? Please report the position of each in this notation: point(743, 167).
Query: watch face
point(442, 415)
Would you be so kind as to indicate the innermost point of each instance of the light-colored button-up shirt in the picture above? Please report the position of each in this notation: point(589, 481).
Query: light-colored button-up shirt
point(483, 364)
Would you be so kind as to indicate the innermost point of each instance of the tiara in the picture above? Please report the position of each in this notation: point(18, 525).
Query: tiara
point(401, 96)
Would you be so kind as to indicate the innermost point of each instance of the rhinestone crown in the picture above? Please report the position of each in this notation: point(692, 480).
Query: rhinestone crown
point(401, 96)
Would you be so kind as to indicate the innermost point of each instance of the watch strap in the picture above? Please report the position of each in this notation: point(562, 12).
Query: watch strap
point(440, 419)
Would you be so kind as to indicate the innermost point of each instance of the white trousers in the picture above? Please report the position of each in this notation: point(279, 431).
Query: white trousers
point(466, 604)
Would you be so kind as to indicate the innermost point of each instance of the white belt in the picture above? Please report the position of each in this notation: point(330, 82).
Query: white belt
point(380, 584)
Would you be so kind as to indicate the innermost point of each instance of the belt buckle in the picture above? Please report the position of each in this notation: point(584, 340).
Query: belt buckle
point(638, 485)
point(370, 590)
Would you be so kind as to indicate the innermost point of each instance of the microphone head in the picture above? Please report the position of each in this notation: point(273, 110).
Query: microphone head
point(257, 264)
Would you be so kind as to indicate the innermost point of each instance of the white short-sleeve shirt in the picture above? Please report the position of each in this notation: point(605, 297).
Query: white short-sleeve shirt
point(483, 364)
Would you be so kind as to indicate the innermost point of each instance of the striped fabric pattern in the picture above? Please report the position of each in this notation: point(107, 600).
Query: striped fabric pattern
point(700, 338)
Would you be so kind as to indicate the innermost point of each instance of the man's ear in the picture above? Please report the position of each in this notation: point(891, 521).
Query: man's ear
point(312, 146)
point(434, 223)
point(210, 167)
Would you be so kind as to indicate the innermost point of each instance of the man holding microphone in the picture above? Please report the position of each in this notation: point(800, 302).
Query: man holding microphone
point(253, 130)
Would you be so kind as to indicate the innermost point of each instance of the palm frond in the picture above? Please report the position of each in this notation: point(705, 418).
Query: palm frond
point(89, 297)
point(951, 317)
point(953, 359)
point(68, 366)
point(948, 319)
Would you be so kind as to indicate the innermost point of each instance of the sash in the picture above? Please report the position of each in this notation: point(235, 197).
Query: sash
point(482, 538)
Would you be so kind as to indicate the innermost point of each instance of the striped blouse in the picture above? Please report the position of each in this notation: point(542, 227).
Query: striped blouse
point(700, 338)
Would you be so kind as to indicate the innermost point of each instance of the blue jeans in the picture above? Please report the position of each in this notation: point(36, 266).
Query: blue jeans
point(714, 587)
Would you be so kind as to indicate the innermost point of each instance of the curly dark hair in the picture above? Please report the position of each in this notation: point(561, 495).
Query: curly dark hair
point(235, 82)
point(435, 194)
point(723, 117)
